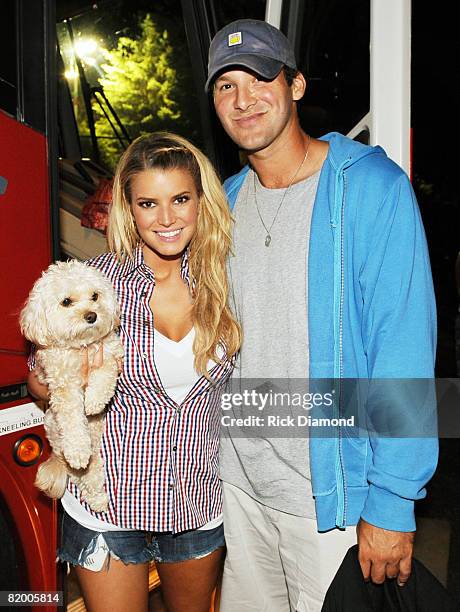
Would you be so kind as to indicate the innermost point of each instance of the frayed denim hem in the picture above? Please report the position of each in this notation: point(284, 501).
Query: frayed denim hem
point(190, 556)
point(142, 557)
point(189, 545)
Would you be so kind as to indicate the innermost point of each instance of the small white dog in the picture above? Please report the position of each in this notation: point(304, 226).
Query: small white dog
point(71, 307)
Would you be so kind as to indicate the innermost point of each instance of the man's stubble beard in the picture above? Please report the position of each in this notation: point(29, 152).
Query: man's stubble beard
point(263, 141)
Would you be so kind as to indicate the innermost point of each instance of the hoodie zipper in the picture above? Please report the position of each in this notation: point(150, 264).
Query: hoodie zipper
point(338, 365)
point(342, 516)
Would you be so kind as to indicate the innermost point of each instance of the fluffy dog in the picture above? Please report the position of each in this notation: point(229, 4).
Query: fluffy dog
point(72, 307)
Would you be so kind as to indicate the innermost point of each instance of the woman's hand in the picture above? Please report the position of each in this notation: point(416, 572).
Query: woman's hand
point(36, 389)
point(86, 366)
point(40, 391)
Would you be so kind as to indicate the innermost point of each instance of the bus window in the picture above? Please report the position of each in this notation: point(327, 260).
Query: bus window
point(331, 40)
point(136, 70)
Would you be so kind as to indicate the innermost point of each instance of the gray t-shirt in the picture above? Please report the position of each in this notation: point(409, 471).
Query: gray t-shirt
point(269, 296)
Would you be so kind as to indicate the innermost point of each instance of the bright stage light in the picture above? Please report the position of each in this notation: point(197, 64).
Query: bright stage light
point(85, 47)
point(71, 74)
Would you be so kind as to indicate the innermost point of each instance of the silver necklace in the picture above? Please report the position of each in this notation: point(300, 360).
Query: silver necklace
point(268, 237)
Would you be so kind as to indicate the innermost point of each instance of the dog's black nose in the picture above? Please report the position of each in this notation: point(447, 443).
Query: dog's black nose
point(90, 317)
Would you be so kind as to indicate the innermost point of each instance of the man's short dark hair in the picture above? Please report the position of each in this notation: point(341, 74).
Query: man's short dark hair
point(289, 74)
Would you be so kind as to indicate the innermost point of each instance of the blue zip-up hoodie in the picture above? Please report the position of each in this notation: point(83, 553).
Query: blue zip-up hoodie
point(371, 315)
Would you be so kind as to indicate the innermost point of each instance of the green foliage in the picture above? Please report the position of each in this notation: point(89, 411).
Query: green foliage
point(141, 85)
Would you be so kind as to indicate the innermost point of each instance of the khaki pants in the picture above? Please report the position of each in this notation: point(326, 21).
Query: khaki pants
point(276, 562)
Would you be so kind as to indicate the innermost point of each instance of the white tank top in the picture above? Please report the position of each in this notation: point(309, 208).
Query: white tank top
point(175, 365)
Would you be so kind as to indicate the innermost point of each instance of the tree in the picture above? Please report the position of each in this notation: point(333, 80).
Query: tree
point(141, 85)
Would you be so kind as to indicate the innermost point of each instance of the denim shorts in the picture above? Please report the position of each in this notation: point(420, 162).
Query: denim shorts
point(78, 543)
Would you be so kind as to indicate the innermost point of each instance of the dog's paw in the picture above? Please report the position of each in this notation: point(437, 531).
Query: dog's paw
point(78, 458)
point(93, 405)
point(99, 502)
point(100, 388)
point(97, 398)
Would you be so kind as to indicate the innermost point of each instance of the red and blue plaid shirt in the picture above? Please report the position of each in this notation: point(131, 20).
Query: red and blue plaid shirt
point(161, 458)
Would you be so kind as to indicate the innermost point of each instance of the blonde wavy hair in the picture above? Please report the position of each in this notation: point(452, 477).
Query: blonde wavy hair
point(208, 250)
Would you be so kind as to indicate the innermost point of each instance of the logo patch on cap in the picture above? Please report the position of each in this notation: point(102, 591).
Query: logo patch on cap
point(235, 39)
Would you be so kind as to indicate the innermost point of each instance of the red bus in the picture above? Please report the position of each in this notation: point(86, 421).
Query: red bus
point(28, 131)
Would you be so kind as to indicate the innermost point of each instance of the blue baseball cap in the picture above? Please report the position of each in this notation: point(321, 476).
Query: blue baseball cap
point(253, 44)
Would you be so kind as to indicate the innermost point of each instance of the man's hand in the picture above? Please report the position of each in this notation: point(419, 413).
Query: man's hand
point(384, 553)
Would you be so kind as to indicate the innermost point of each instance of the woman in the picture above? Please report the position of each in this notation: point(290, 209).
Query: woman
point(169, 235)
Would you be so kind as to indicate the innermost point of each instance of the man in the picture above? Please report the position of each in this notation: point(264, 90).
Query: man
point(330, 280)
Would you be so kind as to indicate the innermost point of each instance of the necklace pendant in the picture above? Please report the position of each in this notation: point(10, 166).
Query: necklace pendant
point(268, 239)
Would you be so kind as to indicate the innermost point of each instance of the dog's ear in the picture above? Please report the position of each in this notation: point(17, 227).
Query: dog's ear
point(33, 320)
